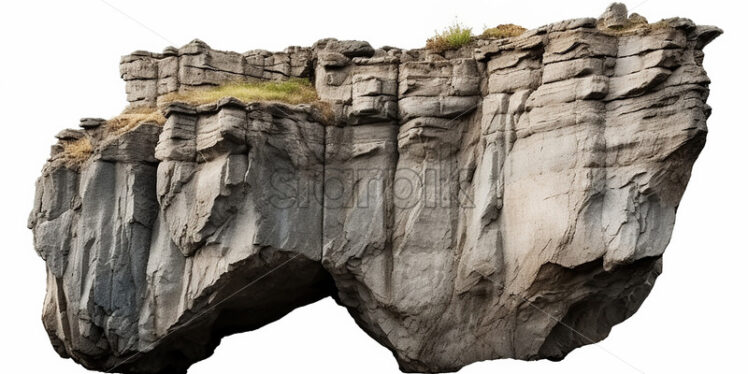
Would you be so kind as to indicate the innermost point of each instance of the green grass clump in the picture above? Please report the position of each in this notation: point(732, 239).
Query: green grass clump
point(453, 37)
point(503, 31)
point(292, 91)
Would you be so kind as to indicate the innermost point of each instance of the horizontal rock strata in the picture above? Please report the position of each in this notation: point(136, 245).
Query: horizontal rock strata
point(509, 199)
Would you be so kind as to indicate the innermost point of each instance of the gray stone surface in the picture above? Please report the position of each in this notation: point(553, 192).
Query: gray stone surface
point(511, 199)
point(615, 16)
point(149, 75)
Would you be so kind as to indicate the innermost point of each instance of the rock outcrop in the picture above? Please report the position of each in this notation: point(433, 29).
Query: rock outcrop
point(509, 199)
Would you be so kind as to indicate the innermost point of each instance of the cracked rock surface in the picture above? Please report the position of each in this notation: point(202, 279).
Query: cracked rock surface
point(509, 199)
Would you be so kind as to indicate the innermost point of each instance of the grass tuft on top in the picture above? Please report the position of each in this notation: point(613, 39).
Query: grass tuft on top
point(132, 117)
point(291, 91)
point(635, 24)
point(503, 31)
point(453, 37)
point(76, 152)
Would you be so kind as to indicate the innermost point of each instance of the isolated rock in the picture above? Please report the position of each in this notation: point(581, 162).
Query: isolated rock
point(615, 16)
point(511, 199)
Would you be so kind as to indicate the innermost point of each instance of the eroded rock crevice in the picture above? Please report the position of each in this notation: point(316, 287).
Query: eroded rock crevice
point(508, 199)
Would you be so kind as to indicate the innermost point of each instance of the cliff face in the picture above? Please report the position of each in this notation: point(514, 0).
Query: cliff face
point(509, 199)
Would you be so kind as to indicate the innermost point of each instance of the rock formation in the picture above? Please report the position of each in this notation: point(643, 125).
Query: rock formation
point(508, 199)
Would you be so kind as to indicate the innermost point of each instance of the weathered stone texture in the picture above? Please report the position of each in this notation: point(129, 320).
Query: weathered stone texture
point(149, 75)
point(511, 199)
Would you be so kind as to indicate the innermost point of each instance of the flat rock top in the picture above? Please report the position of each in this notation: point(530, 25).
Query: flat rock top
point(508, 199)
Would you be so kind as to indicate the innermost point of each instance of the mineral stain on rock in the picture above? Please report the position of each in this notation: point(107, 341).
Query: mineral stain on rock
point(508, 199)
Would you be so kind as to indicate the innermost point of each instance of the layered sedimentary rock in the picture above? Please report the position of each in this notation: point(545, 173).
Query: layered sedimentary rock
point(149, 75)
point(509, 199)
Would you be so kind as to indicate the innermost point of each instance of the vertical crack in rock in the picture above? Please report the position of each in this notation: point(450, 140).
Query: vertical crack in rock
point(508, 199)
point(155, 252)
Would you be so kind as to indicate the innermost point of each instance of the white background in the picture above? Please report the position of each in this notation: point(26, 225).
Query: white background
point(59, 62)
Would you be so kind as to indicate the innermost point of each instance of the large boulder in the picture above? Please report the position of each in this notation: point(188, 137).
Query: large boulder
point(509, 200)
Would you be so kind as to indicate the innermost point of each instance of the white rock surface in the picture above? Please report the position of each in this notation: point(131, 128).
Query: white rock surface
point(511, 199)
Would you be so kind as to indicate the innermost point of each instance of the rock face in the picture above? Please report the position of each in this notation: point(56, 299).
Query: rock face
point(510, 199)
point(149, 75)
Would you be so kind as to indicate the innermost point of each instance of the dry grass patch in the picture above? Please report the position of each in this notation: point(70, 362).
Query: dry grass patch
point(292, 91)
point(503, 31)
point(78, 151)
point(660, 25)
point(453, 37)
point(327, 115)
point(635, 24)
point(132, 117)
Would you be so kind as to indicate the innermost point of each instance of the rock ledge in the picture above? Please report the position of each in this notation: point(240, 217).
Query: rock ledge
point(510, 199)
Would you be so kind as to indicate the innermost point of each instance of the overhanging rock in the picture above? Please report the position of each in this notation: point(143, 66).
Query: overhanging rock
point(508, 199)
